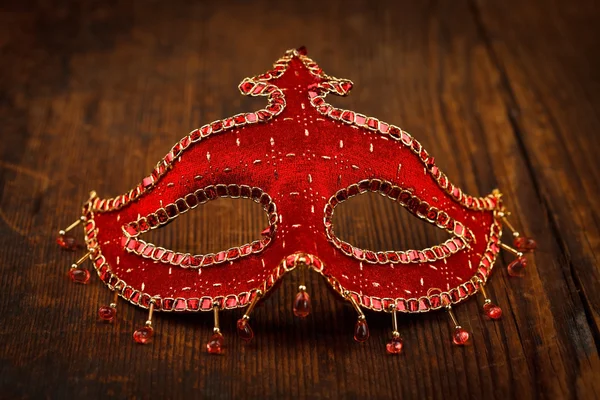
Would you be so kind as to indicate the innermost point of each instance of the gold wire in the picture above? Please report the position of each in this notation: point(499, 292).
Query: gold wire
point(259, 294)
point(81, 260)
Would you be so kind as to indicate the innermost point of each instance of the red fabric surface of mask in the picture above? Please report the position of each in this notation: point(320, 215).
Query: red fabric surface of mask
point(297, 158)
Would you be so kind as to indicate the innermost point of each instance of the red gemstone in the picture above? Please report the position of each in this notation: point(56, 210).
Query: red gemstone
point(361, 331)
point(302, 304)
point(346, 86)
point(107, 313)
point(215, 344)
point(523, 243)
point(246, 86)
point(79, 275)
point(67, 242)
point(492, 310)
point(143, 335)
point(394, 346)
point(516, 267)
point(302, 50)
point(244, 330)
point(460, 337)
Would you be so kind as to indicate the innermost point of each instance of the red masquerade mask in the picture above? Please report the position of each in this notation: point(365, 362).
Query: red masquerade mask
point(299, 158)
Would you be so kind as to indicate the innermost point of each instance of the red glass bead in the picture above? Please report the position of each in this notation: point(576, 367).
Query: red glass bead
point(215, 344)
point(302, 304)
point(244, 330)
point(516, 267)
point(67, 242)
point(394, 346)
point(523, 243)
point(460, 336)
point(361, 331)
point(143, 335)
point(107, 313)
point(492, 310)
point(79, 275)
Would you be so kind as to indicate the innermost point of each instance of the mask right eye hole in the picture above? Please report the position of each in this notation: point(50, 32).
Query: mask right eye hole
point(380, 226)
point(374, 222)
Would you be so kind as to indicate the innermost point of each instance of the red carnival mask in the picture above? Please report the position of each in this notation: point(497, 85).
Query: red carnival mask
point(299, 157)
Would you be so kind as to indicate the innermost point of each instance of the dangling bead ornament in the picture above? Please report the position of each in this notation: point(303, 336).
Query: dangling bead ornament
point(144, 334)
point(521, 243)
point(244, 329)
point(302, 303)
point(490, 309)
point(109, 312)
point(517, 266)
point(65, 241)
point(215, 344)
point(395, 345)
point(461, 336)
point(77, 274)
point(361, 329)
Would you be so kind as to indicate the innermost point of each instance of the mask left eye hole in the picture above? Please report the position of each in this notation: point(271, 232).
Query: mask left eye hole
point(224, 212)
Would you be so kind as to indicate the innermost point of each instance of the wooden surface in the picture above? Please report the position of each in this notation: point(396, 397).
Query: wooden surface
point(504, 94)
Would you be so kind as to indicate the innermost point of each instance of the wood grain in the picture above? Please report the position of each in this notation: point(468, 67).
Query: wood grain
point(504, 94)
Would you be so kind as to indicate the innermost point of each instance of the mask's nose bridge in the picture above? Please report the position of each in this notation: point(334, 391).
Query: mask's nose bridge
point(302, 300)
point(302, 303)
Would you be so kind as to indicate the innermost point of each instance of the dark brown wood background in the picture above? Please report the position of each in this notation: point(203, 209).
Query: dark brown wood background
point(504, 94)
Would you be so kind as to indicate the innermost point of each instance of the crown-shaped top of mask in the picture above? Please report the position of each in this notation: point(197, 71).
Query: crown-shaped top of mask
point(299, 157)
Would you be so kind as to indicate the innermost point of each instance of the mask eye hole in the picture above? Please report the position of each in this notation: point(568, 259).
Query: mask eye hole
point(235, 221)
point(374, 222)
point(368, 226)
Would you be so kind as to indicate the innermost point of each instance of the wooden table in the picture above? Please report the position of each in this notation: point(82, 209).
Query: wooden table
point(504, 93)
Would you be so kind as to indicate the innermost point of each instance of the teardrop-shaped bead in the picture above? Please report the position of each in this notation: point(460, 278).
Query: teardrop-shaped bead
point(492, 310)
point(461, 336)
point(523, 243)
point(394, 346)
point(107, 313)
point(215, 344)
point(79, 275)
point(361, 330)
point(517, 267)
point(143, 335)
point(302, 304)
point(244, 330)
point(67, 242)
